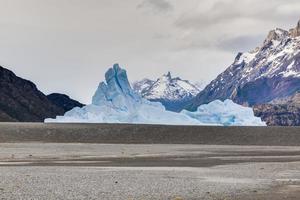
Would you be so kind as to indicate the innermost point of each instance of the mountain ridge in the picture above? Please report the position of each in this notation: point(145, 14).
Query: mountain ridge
point(22, 101)
point(271, 71)
point(172, 92)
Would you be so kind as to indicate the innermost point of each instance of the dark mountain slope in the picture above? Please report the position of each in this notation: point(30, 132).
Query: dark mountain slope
point(20, 100)
point(63, 101)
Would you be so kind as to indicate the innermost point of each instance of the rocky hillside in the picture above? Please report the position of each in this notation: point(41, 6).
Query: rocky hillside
point(20, 100)
point(261, 76)
point(282, 112)
point(172, 92)
point(63, 101)
point(278, 114)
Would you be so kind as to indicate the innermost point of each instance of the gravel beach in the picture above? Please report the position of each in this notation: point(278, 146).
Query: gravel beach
point(148, 162)
point(148, 171)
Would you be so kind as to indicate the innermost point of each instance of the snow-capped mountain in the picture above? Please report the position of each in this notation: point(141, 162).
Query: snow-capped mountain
point(143, 85)
point(269, 72)
point(116, 102)
point(173, 93)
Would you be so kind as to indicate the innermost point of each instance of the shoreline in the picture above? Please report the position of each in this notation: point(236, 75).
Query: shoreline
point(148, 134)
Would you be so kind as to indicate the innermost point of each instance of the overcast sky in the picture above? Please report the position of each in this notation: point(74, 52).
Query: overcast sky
point(67, 45)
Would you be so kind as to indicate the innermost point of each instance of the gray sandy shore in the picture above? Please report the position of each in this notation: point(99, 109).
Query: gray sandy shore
point(148, 134)
point(148, 171)
point(148, 162)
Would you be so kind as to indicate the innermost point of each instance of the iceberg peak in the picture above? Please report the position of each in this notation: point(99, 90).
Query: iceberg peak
point(116, 89)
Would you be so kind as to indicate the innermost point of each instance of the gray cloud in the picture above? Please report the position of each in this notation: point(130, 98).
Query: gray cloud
point(232, 25)
point(229, 11)
point(226, 43)
point(241, 43)
point(162, 36)
point(67, 45)
point(156, 5)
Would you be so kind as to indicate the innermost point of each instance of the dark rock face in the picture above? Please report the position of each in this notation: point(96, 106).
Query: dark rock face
point(266, 90)
point(5, 117)
point(280, 112)
point(267, 73)
point(20, 100)
point(63, 101)
point(278, 115)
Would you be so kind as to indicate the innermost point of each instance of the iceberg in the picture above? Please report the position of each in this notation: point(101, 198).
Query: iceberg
point(226, 113)
point(116, 102)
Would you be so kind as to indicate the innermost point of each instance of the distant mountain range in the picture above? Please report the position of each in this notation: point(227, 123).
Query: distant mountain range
point(267, 75)
point(21, 101)
point(173, 93)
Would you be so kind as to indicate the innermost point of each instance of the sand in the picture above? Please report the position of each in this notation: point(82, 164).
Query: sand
point(148, 171)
